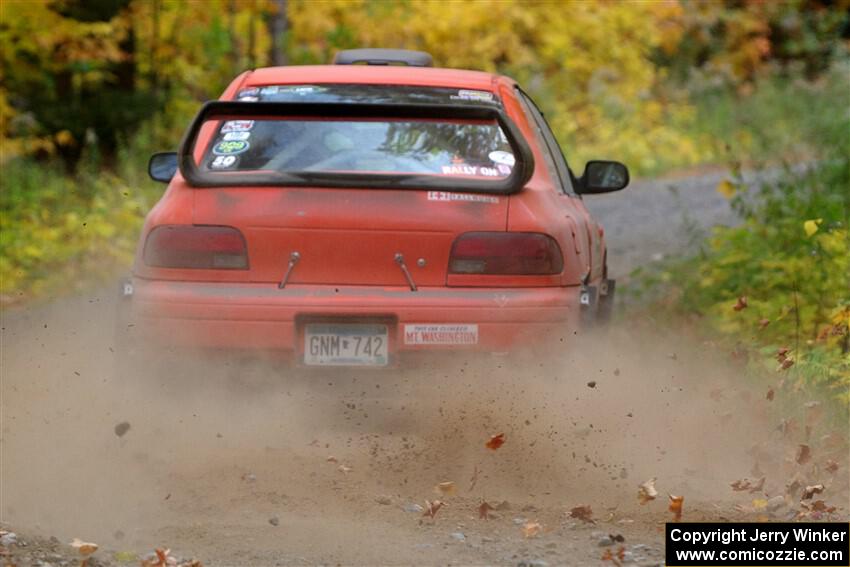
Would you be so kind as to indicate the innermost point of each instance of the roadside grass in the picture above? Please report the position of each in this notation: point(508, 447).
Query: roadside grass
point(781, 117)
point(775, 289)
point(60, 234)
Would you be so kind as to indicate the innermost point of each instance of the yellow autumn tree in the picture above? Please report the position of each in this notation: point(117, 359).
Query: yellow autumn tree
point(587, 63)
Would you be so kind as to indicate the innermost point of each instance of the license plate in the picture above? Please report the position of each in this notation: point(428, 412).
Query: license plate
point(329, 344)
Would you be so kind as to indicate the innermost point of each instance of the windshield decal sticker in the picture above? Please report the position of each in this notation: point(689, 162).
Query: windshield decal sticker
point(249, 92)
point(463, 169)
point(229, 148)
point(441, 334)
point(459, 169)
point(237, 126)
point(465, 197)
point(223, 162)
point(504, 158)
point(237, 136)
point(302, 90)
point(504, 169)
point(478, 96)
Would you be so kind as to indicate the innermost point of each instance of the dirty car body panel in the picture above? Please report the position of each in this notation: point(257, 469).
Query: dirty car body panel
point(355, 237)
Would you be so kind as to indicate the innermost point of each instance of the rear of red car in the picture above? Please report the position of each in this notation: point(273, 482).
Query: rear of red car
point(348, 223)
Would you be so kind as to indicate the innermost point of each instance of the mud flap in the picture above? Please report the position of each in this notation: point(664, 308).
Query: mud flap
point(606, 301)
point(124, 336)
point(588, 296)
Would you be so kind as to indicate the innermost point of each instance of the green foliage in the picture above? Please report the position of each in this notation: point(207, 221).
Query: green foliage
point(780, 117)
point(789, 260)
point(60, 233)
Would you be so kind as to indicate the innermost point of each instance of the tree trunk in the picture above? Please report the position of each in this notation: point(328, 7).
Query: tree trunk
point(278, 24)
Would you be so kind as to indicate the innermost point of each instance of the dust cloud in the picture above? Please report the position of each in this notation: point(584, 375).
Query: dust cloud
point(247, 461)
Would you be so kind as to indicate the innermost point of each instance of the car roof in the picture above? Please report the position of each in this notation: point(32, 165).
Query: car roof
point(372, 74)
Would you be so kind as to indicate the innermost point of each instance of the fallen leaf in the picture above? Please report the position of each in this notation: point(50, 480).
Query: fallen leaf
point(344, 469)
point(531, 529)
point(331, 459)
point(84, 547)
point(162, 556)
point(431, 508)
point(740, 304)
point(591, 384)
point(804, 453)
point(831, 466)
point(820, 506)
point(759, 503)
point(810, 491)
point(583, 513)
point(646, 491)
point(770, 394)
point(617, 559)
point(125, 557)
point(764, 323)
point(484, 511)
point(782, 353)
point(786, 364)
point(445, 488)
point(496, 441)
point(746, 484)
point(676, 503)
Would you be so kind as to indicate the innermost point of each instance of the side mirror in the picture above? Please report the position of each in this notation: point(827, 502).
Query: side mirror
point(162, 166)
point(602, 176)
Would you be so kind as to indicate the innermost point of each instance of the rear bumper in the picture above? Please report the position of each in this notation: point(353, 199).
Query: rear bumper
point(263, 317)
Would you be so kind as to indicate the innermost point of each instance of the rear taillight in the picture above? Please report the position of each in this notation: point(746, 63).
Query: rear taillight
point(506, 253)
point(197, 247)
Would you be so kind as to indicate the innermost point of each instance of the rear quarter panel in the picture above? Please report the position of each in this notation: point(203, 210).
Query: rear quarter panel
point(540, 207)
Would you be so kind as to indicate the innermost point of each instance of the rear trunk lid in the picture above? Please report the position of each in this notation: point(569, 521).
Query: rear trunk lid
point(349, 236)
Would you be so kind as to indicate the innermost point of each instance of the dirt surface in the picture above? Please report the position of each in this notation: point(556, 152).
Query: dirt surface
point(656, 218)
point(249, 463)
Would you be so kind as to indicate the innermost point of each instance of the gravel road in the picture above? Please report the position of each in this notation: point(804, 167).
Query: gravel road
point(655, 218)
point(252, 464)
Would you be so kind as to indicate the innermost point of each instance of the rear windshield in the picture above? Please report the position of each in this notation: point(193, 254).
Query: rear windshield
point(459, 148)
point(445, 148)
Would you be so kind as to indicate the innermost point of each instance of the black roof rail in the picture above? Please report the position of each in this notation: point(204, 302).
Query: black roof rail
point(384, 57)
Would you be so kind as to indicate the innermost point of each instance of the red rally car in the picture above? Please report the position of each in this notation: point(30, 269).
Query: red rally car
point(354, 213)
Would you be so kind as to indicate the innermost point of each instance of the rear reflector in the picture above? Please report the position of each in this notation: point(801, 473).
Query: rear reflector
point(196, 247)
point(506, 253)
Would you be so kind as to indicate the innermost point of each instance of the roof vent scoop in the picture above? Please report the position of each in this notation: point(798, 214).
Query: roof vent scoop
point(384, 57)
